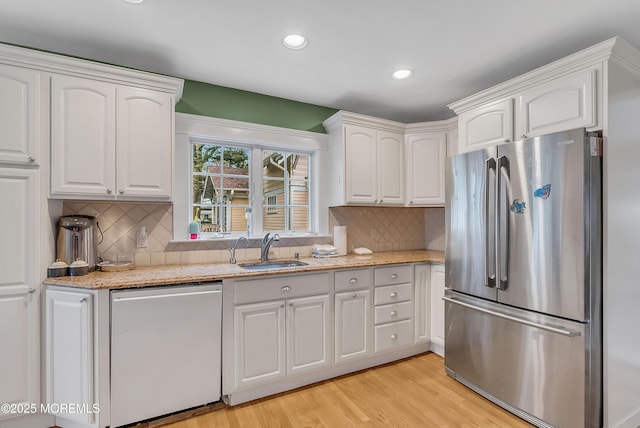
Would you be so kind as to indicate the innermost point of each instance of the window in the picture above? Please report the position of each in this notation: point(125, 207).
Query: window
point(221, 188)
point(222, 183)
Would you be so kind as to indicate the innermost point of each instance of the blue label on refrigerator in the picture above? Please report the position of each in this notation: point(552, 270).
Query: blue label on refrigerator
point(543, 192)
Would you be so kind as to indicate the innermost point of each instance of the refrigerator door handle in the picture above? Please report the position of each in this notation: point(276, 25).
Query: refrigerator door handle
point(549, 328)
point(504, 195)
point(490, 222)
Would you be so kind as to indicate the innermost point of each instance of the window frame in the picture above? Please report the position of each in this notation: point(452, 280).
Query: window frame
point(207, 130)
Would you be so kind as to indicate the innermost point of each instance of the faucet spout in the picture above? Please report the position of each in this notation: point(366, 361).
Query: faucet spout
point(266, 244)
point(232, 250)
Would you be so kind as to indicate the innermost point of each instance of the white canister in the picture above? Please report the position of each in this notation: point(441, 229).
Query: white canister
point(340, 239)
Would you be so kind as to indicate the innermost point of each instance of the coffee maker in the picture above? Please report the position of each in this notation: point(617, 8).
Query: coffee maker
point(77, 239)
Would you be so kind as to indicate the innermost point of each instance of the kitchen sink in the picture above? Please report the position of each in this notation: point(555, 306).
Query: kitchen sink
point(272, 264)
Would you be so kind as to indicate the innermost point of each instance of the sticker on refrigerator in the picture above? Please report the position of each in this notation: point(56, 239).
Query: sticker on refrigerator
point(517, 207)
point(543, 192)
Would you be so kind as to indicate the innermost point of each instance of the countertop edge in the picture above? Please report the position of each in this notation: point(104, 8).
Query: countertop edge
point(149, 276)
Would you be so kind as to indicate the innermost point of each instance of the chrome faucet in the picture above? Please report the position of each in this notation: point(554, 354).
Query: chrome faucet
point(266, 244)
point(232, 250)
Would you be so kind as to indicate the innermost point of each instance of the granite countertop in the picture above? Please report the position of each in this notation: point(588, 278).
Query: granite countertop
point(176, 274)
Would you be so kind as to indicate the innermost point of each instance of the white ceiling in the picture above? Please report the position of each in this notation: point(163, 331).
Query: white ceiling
point(454, 47)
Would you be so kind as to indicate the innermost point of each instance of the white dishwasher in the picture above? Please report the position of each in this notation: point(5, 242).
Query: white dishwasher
point(165, 350)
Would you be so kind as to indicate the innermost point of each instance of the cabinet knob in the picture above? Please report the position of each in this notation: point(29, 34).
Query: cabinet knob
point(410, 202)
point(109, 191)
point(121, 191)
point(285, 288)
point(381, 200)
point(84, 299)
point(394, 276)
point(353, 280)
point(506, 140)
point(393, 294)
point(31, 290)
point(393, 314)
point(354, 295)
point(524, 136)
point(394, 336)
point(30, 159)
point(291, 304)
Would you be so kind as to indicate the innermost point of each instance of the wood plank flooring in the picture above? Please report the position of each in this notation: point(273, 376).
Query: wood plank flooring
point(414, 392)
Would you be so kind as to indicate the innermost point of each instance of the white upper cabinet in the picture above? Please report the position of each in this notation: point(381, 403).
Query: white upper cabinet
point(487, 125)
point(110, 141)
point(144, 142)
point(565, 103)
point(20, 115)
point(366, 160)
point(426, 153)
point(83, 141)
point(560, 96)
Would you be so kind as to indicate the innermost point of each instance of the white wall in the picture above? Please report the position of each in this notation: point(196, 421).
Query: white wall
point(621, 222)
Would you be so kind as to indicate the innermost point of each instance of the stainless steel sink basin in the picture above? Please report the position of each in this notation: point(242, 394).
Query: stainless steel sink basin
point(272, 264)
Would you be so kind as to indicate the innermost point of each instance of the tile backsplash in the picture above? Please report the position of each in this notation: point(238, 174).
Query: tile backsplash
point(377, 228)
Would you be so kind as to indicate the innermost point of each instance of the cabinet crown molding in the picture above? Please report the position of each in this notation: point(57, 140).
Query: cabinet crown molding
point(616, 49)
point(433, 126)
point(55, 63)
point(347, 118)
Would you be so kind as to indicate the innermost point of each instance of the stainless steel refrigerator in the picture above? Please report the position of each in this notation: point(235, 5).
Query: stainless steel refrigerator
point(523, 262)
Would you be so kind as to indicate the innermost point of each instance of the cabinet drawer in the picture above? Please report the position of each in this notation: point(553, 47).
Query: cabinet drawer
point(352, 279)
point(393, 312)
point(393, 335)
point(392, 294)
point(282, 287)
point(393, 275)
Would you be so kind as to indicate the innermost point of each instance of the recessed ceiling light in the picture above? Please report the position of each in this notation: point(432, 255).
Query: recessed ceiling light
point(134, 1)
point(402, 74)
point(295, 41)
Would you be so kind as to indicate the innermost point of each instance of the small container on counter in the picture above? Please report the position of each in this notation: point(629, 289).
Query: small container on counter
point(79, 268)
point(58, 268)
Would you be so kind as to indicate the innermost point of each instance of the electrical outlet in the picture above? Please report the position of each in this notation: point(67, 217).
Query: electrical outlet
point(141, 238)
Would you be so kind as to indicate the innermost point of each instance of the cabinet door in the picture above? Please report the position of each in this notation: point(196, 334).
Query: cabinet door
point(260, 343)
point(144, 143)
point(360, 165)
point(486, 126)
point(308, 334)
point(69, 351)
point(352, 325)
point(20, 119)
point(20, 355)
point(422, 303)
point(425, 168)
point(559, 105)
point(390, 170)
point(437, 309)
point(19, 220)
point(82, 137)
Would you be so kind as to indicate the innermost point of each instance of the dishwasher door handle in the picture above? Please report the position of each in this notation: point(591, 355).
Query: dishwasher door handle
point(163, 296)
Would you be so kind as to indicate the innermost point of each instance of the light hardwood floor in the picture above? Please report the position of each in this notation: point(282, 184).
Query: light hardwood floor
point(413, 392)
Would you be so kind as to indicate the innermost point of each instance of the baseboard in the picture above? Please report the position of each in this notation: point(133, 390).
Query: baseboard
point(29, 421)
point(632, 421)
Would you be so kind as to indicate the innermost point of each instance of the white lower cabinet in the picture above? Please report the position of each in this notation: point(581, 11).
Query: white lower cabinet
point(437, 308)
point(393, 311)
point(69, 352)
point(422, 303)
point(273, 339)
point(352, 325)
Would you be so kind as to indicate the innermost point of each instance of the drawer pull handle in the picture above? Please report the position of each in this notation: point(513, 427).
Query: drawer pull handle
point(353, 280)
point(109, 191)
point(285, 288)
point(394, 336)
point(84, 299)
point(393, 294)
point(31, 290)
point(394, 314)
point(394, 276)
point(31, 159)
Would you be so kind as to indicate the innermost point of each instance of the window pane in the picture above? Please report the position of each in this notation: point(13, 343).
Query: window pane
point(274, 219)
point(297, 166)
point(299, 219)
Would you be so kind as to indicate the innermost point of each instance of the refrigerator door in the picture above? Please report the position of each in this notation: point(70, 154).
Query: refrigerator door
point(543, 232)
point(470, 224)
point(534, 365)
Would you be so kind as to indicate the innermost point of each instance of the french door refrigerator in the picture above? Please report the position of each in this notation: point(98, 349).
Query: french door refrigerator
point(523, 264)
